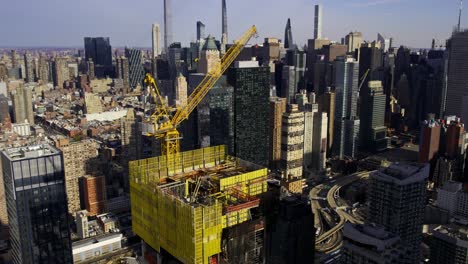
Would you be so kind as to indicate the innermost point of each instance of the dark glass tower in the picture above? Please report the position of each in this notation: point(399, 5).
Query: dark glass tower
point(397, 199)
point(288, 39)
point(346, 123)
point(99, 50)
point(200, 30)
point(251, 118)
point(135, 68)
point(37, 205)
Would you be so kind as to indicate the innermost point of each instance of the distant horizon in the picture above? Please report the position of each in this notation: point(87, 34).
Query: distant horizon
point(411, 23)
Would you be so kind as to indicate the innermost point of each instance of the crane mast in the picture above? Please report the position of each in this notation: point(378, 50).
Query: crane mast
point(164, 122)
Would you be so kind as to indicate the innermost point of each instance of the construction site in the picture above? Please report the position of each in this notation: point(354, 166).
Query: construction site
point(199, 206)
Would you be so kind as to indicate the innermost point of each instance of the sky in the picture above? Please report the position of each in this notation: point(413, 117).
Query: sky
point(64, 23)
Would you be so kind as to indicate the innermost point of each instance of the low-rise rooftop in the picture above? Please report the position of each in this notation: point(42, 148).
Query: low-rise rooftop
point(33, 151)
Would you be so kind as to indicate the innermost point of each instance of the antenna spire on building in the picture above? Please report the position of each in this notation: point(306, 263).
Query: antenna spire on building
point(459, 15)
point(167, 24)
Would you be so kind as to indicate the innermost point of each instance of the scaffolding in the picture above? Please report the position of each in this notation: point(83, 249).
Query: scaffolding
point(181, 203)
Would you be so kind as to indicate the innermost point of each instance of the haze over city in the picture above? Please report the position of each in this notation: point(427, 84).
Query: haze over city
point(52, 23)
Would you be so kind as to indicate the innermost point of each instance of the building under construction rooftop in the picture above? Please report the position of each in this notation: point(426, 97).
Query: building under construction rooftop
point(199, 206)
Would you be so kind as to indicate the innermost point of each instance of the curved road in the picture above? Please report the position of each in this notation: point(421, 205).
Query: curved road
point(334, 206)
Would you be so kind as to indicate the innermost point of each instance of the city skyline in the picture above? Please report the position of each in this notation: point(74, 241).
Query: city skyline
point(132, 27)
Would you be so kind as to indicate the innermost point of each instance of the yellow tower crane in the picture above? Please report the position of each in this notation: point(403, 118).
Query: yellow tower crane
point(165, 120)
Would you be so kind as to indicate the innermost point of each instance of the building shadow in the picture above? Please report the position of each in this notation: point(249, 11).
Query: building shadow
point(5, 244)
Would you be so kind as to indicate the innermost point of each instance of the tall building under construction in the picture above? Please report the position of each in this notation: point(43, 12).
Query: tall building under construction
point(199, 206)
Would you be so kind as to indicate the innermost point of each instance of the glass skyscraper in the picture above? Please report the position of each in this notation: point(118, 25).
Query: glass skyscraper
point(37, 204)
point(251, 117)
point(99, 50)
point(346, 133)
point(135, 67)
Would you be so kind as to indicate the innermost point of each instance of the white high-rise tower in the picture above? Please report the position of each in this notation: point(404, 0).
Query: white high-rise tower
point(318, 22)
point(156, 40)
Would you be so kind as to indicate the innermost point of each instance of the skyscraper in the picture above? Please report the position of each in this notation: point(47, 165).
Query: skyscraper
point(288, 38)
point(289, 235)
point(384, 41)
point(14, 61)
point(77, 158)
point(353, 40)
point(319, 141)
point(271, 51)
point(90, 66)
point(327, 105)
point(200, 30)
point(4, 108)
point(297, 57)
point(61, 72)
point(251, 97)
point(37, 205)
point(397, 200)
point(292, 142)
point(277, 108)
point(373, 131)
point(28, 63)
point(224, 23)
point(135, 67)
point(167, 24)
point(156, 40)
point(99, 50)
point(180, 90)
point(122, 70)
point(130, 136)
point(457, 67)
point(318, 22)
point(209, 56)
point(22, 105)
point(346, 84)
point(288, 85)
point(215, 116)
point(43, 69)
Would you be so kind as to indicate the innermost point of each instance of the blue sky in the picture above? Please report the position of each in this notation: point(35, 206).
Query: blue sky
point(128, 22)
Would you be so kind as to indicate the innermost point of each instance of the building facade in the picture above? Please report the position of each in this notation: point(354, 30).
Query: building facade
point(156, 40)
point(346, 123)
point(363, 244)
point(23, 105)
point(77, 159)
point(277, 108)
point(457, 79)
point(209, 56)
point(37, 205)
point(98, 50)
point(318, 22)
point(135, 67)
point(397, 200)
point(353, 40)
point(429, 140)
point(94, 194)
point(251, 98)
point(373, 131)
point(292, 142)
point(449, 244)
